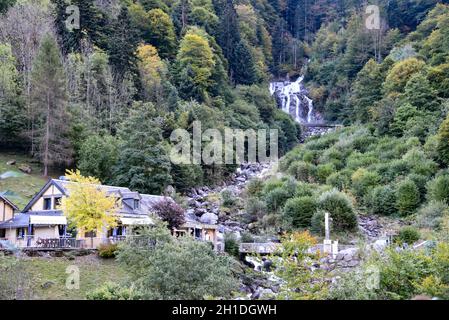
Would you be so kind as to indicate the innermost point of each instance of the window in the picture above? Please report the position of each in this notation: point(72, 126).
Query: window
point(90, 234)
point(20, 233)
point(47, 203)
point(57, 202)
point(2, 233)
point(136, 204)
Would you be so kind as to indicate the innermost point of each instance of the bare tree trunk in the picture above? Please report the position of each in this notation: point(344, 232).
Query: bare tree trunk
point(47, 136)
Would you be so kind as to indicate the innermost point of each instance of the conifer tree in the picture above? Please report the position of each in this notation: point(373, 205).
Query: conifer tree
point(443, 142)
point(143, 164)
point(50, 99)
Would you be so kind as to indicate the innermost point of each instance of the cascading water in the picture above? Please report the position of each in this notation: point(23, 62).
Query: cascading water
point(292, 98)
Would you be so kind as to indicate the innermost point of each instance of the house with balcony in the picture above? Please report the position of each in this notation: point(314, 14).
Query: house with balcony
point(42, 224)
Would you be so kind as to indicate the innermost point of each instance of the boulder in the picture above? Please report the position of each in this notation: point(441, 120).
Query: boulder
point(25, 168)
point(11, 162)
point(209, 218)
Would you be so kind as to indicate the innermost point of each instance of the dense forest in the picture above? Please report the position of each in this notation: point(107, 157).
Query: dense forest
point(77, 95)
point(104, 97)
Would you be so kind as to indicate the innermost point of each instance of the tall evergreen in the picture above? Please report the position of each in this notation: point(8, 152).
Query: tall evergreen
point(123, 43)
point(50, 106)
point(93, 25)
point(143, 164)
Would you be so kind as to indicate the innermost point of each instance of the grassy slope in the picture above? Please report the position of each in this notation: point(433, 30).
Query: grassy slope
point(21, 189)
point(94, 272)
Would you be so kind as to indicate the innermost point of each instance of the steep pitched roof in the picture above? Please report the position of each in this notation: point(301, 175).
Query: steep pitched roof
point(42, 191)
point(2, 197)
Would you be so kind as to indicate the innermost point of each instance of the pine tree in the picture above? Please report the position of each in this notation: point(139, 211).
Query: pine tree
point(443, 142)
point(143, 164)
point(12, 120)
point(93, 25)
point(419, 93)
point(367, 90)
point(50, 99)
point(244, 67)
point(122, 45)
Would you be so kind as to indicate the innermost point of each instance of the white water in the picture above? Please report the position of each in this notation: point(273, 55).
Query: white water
point(293, 100)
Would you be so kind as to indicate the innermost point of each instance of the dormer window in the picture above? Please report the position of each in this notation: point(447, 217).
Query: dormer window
point(47, 203)
point(136, 204)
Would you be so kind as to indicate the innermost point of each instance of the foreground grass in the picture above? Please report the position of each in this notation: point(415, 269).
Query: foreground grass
point(21, 187)
point(48, 276)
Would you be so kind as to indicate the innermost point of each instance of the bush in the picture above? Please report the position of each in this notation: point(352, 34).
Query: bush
point(340, 208)
point(340, 180)
point(170, 212)
point(382, 201)
point(276, 199)
point(431, 215)
point(323, 171)
point(231, 244)
point(228, 198)
point(302, 171)
point(254, 187)
point(407, 197)
point(363, 181)
point(408, 235)
point(107, 251)
point(317, 223)
point(304, 190)
point(270, 185)
point(421, 182)
point(298, 212)
point(112, 291)
point(438, 189)
point(255, 208)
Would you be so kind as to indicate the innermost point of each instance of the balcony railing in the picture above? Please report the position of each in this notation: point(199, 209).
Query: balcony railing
point(58, 243)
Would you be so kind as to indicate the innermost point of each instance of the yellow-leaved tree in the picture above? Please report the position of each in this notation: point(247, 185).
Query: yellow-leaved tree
point(87, 206)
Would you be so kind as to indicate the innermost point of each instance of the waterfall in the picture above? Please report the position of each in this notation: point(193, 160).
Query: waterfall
point(292, 98)
point(310, 113)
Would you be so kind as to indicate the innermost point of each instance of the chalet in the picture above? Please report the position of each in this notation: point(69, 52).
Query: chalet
point(42, 224)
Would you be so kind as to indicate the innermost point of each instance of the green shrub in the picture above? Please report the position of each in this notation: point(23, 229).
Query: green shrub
point(418, 162)
point(113, 291)
point(270, 185)
point(323, 171)
point(246, 237)
point(340, 180)
point(304, 189)
point(407, 197)
point(431, 215)
point(228, 198)
point(396, 168)
point(363, 181)
point(302, 171)
point(255, 208)
point(317, 223)
point(357, 160)
point(382, 201)
point(276, 199)
point(340, 208)
point(231, 244)
point(254, 187)
point(438, 189)
point(409, 235)
point(298, 212)
point(107, 251)
point(421, 182)
point(309, 156)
